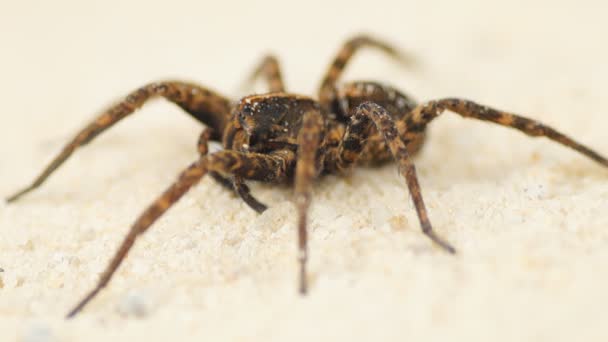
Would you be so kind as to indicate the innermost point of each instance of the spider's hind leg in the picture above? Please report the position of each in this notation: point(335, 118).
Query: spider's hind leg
point(204, 105)
point(327, 90)
point(270, 70)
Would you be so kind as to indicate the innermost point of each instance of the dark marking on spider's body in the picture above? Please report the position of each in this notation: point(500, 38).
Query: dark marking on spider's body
point(279, 137)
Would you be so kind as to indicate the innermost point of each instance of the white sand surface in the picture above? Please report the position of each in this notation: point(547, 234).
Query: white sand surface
point(529, 218)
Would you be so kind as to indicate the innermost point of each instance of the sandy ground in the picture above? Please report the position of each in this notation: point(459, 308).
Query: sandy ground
point(528, 217)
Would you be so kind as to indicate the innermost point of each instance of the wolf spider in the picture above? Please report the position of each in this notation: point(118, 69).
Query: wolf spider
point(279, 137)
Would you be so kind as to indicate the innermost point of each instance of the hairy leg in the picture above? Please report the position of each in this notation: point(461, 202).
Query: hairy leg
point(327, 91)
point(309, 139)
point(366, 116)
point(423, 114)
point(257, 166)
point(204, 105)
point(399, 106)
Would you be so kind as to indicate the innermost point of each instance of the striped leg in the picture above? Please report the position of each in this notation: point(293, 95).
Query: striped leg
point(256, 166)
point(398, 104)
point(327, 91)
point(423, 114)
point(369, 114)
point(270, 70)
point(206, 106)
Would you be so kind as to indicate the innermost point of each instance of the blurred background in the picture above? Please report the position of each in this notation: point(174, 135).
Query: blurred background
point(61, 60)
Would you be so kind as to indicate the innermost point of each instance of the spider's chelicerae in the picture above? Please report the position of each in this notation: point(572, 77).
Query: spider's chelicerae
point(278, 137)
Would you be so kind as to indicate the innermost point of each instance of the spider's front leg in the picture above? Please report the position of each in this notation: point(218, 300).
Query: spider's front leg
point(272, 168)
point(309, 139)
point(423, 114)
point(365, 116)
point(204, 105)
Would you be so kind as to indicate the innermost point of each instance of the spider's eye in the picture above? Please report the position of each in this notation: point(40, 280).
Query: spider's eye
point(253, 140)
point(245, 117)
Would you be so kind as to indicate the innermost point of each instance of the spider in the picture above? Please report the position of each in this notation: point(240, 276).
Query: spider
point(279, 137)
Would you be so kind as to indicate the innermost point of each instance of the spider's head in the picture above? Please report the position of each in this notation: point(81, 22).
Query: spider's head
point(272, 116)
point(259, 116)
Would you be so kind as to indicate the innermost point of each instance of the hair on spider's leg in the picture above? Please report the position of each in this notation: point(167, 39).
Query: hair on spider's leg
point(270, 70)
point(424, 113)
point(327, 90)
point(366, 115)
point(186, 180)
point(204, 105)
point(309, 139)
point(269, 167)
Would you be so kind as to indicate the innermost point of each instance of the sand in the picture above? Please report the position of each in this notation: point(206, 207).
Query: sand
point(528, 217)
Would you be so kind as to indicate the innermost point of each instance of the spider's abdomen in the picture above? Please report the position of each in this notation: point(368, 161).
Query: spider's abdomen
point(353, 94)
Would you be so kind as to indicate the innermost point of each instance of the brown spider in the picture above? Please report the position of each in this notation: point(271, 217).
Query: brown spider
point(279, 137)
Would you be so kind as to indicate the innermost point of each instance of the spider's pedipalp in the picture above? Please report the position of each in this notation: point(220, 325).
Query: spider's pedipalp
point(243, 191)
point(423, 114)
point(204, 105)
point(235, 184)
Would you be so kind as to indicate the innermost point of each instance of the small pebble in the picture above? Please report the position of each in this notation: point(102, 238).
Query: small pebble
point(398, 223)
point(135, 304)
point(37, 332)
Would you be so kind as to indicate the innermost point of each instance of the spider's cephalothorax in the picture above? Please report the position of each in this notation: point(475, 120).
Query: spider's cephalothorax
point(267, 122)
point(280, 137)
